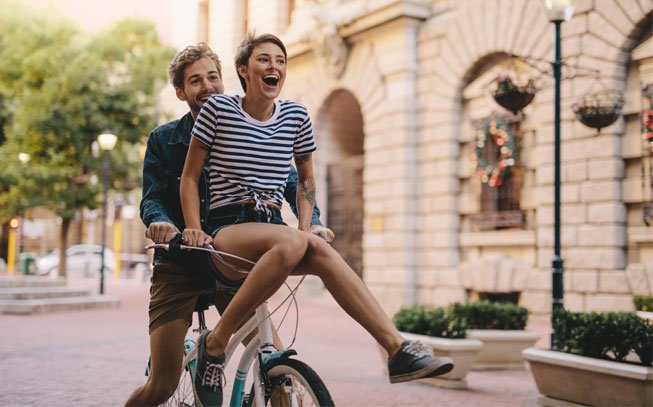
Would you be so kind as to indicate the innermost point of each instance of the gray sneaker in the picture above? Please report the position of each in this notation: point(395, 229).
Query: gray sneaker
point(209, 376)
point(415, 361)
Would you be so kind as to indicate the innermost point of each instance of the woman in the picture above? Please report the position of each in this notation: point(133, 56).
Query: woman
point(250, 142)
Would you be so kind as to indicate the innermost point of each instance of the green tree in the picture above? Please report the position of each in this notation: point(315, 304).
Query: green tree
point(59, 89)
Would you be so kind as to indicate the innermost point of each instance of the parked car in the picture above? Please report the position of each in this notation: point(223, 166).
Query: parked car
point(82, 260)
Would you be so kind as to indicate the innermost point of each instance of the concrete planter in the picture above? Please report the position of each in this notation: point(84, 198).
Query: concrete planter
point(564, 379)
point(501, 348)
point(462, 351)
point(647, 315)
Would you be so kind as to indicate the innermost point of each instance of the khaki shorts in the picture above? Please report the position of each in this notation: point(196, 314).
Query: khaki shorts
point(177, 282)
point(175, 290)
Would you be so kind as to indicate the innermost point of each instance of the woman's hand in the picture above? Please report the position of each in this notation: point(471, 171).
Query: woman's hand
point(323, 232)
point(195, 237)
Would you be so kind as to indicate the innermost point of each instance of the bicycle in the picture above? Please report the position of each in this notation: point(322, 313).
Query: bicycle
point(276, 378)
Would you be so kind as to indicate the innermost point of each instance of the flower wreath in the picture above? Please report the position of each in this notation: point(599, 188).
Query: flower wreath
point(647, 120)
point(498, 132)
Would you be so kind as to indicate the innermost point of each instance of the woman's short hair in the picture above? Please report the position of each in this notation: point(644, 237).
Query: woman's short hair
point(246, 47)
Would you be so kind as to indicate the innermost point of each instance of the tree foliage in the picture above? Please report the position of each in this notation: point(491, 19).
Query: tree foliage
point(59, 89)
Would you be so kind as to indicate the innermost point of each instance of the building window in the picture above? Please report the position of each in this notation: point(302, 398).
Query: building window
point(291, 8)
point(203, 21)
point(245, 16)
point(509, 297)
point(500, 201)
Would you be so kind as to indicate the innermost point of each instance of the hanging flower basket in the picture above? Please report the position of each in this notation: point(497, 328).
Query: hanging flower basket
point(647, 119)
point(498, 133)
point(599, 110)
point(512, 96)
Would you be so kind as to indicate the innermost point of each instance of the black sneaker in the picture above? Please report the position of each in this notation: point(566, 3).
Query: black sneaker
point(209, 376)
point(415, 361)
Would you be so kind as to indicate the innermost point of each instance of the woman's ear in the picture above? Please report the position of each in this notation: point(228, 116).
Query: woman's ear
point(242, 71)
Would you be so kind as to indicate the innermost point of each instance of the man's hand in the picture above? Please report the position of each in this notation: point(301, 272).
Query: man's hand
point(161, 232)
point(323, 232)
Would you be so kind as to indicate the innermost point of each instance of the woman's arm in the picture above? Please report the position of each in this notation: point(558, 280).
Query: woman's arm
point(305, 190)
point(189, 193)
point(290, 194)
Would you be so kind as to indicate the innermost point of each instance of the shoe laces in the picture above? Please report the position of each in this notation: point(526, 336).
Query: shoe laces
point(418, 349)
point(213, 376)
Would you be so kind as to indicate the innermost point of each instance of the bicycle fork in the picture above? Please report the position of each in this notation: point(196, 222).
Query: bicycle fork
point(261, 351)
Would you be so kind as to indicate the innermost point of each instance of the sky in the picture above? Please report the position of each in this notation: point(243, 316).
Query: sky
point(96, 15)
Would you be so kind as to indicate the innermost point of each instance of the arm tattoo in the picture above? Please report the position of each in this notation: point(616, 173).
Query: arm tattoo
point(307, 189)
point(300, 159)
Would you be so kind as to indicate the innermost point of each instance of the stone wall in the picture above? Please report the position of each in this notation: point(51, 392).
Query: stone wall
point(411, 65)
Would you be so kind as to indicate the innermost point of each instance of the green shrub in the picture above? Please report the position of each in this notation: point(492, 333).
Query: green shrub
point(643, 302)
point(491, 315)
point(429, 321)
point(608, 335)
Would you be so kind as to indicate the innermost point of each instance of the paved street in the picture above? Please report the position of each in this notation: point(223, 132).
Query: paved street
point(96, 357)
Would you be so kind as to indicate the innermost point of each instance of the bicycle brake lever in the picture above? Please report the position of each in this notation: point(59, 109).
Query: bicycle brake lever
point(173, 245)
point(157, 246)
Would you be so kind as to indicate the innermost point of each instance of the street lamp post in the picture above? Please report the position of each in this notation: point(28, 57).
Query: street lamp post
point(24, 159)
point(558, 11)
point(107, 142)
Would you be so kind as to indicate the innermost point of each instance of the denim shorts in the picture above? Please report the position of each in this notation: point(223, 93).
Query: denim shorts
point(228, 215)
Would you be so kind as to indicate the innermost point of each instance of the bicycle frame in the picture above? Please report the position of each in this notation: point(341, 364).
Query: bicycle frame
point(260, 349)
point(261, 344)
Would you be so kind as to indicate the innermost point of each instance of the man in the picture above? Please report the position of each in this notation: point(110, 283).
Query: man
point(179, 279)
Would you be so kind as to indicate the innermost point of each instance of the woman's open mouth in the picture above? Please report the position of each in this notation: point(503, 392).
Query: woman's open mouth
point(271, 80)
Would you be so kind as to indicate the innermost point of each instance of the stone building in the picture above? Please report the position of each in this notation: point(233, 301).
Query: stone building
point(400, 92)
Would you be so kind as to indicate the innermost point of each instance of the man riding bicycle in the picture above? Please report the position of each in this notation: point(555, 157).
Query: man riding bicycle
point(179, 280)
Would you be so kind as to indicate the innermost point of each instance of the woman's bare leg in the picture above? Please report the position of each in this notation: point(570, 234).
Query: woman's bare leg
point(276, 249)
point(349, 291)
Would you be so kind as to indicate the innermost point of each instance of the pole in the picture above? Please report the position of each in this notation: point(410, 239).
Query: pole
point(117, 245)
point(557, 264)
point(11, 251)
point(105, 188)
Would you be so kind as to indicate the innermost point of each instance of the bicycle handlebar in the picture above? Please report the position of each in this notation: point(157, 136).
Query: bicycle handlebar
point(175, 246)
point(171, 248)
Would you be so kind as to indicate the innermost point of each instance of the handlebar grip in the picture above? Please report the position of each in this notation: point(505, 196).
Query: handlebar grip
point(174, 245)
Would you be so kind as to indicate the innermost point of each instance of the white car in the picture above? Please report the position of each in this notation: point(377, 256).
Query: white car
point(82, 260)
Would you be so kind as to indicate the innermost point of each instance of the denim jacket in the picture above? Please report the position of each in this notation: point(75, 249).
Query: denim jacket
point(166, 151)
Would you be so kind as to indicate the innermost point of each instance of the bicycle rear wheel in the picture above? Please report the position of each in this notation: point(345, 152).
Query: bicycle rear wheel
point(294, 383)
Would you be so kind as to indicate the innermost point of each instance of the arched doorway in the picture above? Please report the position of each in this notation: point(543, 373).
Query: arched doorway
point(340, 167)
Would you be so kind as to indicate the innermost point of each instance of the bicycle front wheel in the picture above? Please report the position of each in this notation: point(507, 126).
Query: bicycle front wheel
point(183, 396)
point(294, 383)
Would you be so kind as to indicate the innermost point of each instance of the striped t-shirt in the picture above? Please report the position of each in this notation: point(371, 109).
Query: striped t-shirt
point(250, 159)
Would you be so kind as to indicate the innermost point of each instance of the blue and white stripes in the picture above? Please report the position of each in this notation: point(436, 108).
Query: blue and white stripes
point(250, 159)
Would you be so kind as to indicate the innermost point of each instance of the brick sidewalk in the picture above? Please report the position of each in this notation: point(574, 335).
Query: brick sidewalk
point(97, 357)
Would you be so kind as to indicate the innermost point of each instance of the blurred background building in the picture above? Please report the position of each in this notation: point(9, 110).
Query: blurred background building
point(401, 96)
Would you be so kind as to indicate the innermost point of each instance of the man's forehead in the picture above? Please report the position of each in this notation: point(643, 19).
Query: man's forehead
point(202, 67)
point(200, 73)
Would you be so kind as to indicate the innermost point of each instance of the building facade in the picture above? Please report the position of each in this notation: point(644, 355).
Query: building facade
point(400, 93)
